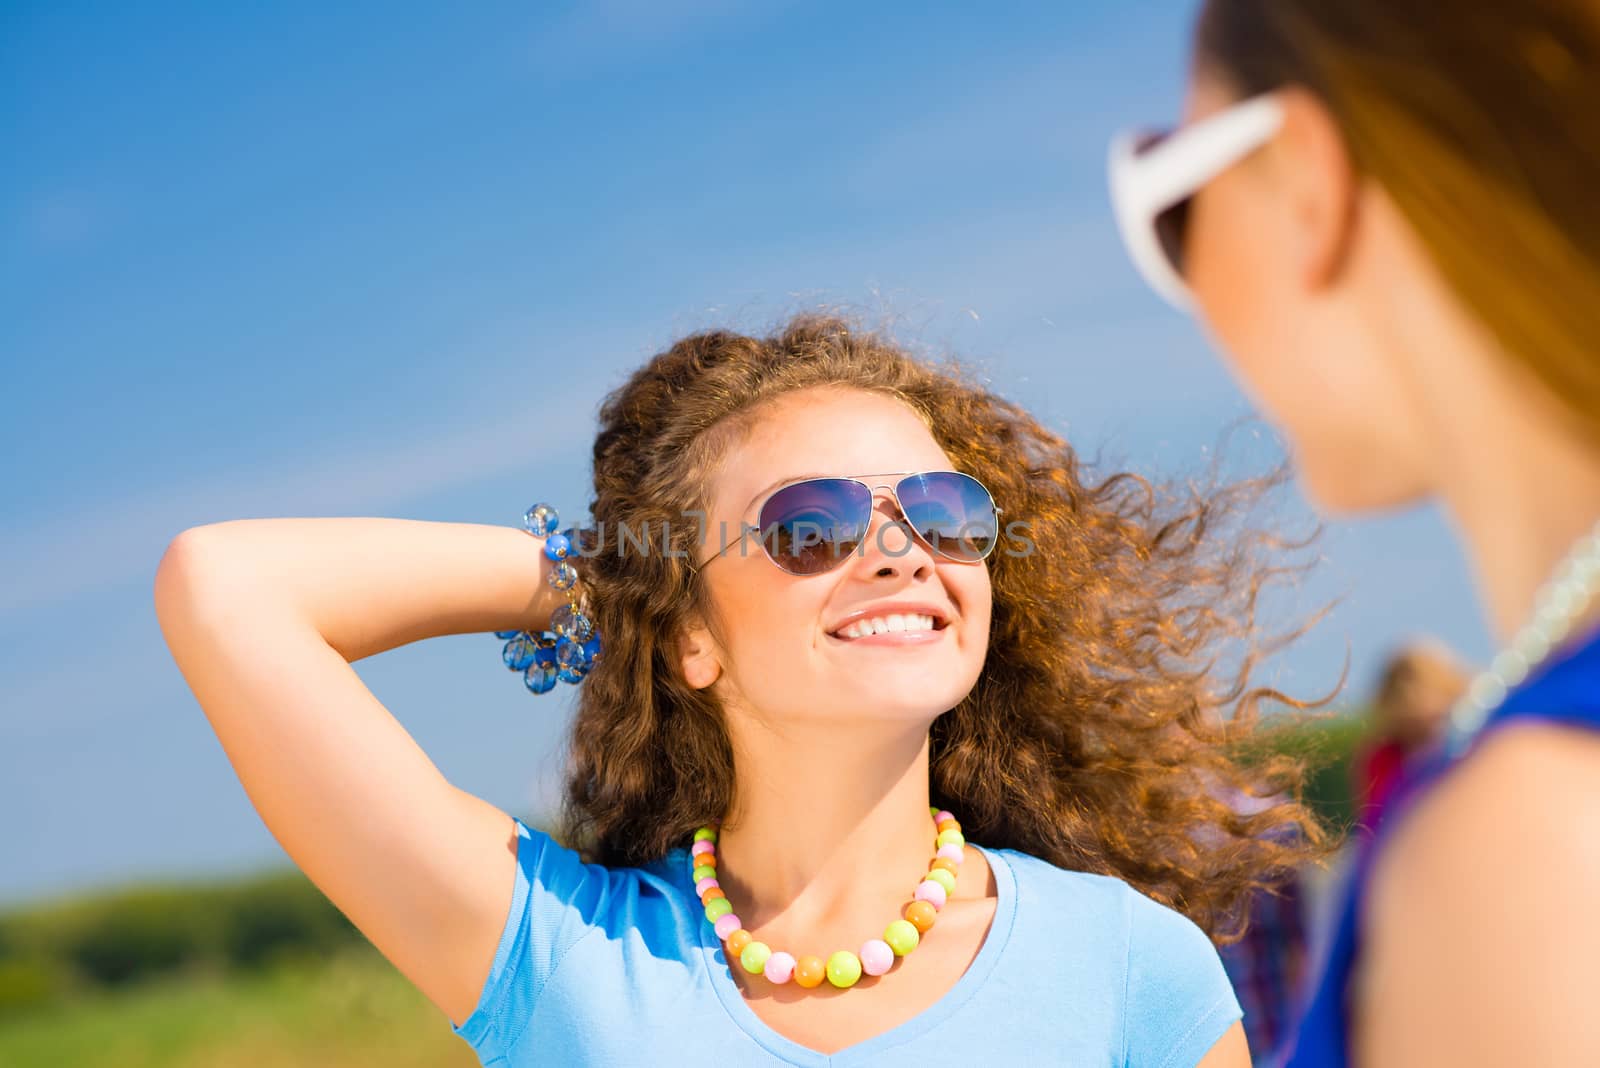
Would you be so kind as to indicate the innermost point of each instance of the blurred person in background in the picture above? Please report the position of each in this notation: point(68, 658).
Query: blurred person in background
point(1416, 690)
point(1384, 213)
point(1267, 963)
point(773, 739)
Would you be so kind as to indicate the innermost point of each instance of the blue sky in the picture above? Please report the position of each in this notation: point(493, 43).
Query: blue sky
point(385, 259)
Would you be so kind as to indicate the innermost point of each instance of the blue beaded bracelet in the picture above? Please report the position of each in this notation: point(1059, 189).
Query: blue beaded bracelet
point(572, 645)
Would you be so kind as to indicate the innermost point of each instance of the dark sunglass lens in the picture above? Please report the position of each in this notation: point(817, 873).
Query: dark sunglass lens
point(1148, 140)
point(810, 527)
point(1171, 227)
point(952, 512)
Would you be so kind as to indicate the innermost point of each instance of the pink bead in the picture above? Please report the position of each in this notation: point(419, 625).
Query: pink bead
point(730, 923)
point(928, 891)
point(705, 884)
point(702, 847)
point(780, 967)
point(951, 852)
point(945, 815)
point(876, 956)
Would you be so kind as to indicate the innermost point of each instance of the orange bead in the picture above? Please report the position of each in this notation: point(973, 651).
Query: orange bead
point(738, 940)
point(809, 972)
point(711, 893)
point(947, 864)
point(921, 914)
point(708, 859)
point(947, 825)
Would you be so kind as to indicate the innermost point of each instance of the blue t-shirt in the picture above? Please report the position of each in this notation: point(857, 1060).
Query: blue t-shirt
point(618, 966)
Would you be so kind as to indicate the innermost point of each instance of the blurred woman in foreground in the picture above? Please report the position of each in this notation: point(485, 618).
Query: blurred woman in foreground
point(1385, 213)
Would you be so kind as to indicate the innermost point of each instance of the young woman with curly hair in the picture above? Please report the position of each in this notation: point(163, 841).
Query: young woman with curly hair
point(1386, 212)
point(1038, 711)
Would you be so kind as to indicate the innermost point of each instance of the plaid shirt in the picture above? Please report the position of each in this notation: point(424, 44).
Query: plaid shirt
point(1265, 968)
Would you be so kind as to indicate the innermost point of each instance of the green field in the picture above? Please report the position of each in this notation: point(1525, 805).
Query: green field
point(351, 1009)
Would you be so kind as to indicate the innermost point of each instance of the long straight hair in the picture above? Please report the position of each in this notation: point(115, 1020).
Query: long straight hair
point(1481, 120)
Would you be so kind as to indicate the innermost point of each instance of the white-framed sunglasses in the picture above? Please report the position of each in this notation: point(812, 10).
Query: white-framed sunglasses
point(1155, 173)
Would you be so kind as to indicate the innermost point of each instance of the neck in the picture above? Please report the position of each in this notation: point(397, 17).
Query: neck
point(1518, 480)
point(831, 820)
point(1516, 542)
point(1520, 498)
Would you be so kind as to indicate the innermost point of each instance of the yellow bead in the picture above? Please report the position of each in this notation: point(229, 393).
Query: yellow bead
point(844, 968)
point(902, 936)
point(754, 957)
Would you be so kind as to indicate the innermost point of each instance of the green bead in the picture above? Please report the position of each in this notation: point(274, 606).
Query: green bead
point(844, 968)
point(754, 957)
point(932, 811)
point(902, 937)
point(719, 907)
point(705, 834)
point(943, 878)
point(950, 838)
point(704, 871)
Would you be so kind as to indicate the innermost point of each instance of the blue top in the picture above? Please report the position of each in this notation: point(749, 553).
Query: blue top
point(1565, 690)
point(613, 966)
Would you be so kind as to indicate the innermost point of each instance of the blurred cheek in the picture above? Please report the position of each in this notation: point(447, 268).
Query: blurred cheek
point(1238, 290)
point(1301, 357)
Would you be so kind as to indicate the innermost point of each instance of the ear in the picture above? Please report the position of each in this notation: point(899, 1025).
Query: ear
point(1320, 183)
point(698, 657)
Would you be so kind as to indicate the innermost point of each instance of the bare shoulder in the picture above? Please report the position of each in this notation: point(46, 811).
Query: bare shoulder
point(1522, 813)
point(1484, 910)
point(1535, 781)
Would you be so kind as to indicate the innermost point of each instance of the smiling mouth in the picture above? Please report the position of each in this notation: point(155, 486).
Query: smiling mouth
point(906, 626)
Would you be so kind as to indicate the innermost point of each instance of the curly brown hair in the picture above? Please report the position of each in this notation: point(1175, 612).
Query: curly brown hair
point(1094, 737)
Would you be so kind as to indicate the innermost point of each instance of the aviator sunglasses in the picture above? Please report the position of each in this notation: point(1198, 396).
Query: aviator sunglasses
point(1155, 175)
point(811, 525)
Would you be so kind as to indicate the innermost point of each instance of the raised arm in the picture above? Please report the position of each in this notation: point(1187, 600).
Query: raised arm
point(263, 617)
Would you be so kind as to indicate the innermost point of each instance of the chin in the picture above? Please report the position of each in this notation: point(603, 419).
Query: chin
point(1348, 482)
point(910, 704)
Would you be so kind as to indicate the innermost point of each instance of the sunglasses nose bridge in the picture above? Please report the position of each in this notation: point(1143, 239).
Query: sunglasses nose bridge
point(887, 491)
point(883, 491)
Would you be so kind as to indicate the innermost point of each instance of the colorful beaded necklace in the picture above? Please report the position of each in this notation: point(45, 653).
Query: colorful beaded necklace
point(843, 968)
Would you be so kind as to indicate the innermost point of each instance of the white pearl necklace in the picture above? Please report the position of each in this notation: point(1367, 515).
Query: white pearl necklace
point(1560, 603)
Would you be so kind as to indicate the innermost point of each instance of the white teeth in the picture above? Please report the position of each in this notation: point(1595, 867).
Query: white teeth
point(893, 623)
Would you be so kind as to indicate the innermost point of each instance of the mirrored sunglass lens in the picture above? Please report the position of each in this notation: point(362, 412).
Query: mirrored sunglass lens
point(810, 527)
point(952, 512)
